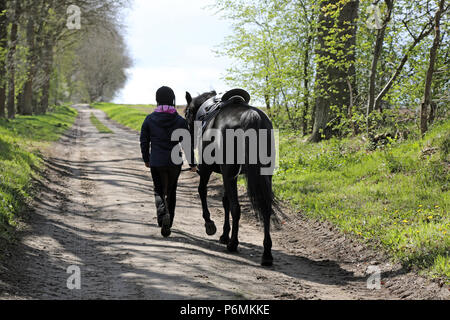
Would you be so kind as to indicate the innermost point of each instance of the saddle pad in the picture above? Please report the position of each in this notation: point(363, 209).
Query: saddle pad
point(211, 107)
point(207, 108)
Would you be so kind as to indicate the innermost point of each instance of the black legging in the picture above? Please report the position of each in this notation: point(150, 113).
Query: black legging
point(165, 180)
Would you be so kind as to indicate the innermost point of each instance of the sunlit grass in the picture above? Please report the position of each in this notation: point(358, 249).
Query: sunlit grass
point(131, 116)
point(21, 142)
point(394, 197)
point(100, 126)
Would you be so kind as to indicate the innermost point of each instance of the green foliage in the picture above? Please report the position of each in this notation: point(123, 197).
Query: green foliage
point(21, 140)
point(392, 163)
point(396, 196)
point(275, 47)
point(443, 143)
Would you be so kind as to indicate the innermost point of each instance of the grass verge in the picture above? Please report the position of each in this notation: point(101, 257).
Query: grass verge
point(21, 143)
point(131, 116)
point(396, 197)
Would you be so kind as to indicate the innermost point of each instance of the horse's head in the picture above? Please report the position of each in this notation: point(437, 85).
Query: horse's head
point(193, 104)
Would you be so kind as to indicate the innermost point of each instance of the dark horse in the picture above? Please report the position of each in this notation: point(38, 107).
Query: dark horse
point(237, 115)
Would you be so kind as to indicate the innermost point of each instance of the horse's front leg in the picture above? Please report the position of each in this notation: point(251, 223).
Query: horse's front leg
point(232, 195)
point(203, 191)
point(225, 238)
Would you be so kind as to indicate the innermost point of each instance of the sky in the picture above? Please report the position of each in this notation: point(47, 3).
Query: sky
point(171, 43)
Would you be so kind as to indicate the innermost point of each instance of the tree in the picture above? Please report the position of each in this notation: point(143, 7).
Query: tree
point(103, 61)
point(335, 65)
point(33, 13)
point(37, 51)
point(3, 51)
point(273, 45)
point(321, 60)
point(15, 12)
point(429, 78)
point(381, 32)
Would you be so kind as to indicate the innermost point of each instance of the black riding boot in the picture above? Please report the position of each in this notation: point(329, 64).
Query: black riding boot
point(165, 180)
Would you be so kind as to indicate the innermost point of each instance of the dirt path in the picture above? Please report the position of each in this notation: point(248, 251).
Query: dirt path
point(96, 211)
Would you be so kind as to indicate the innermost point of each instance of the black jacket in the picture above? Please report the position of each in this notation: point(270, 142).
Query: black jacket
point(157, 131)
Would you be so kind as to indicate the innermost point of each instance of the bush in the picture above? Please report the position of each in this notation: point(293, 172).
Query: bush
point(444, 147)
point(393, 164)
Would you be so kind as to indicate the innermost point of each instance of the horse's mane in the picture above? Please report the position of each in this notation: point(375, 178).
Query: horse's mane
point(192, 108)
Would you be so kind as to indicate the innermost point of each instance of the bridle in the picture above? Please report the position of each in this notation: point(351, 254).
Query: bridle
point(189, 116)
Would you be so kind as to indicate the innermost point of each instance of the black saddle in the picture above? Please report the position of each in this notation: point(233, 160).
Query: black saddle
point(212, 106)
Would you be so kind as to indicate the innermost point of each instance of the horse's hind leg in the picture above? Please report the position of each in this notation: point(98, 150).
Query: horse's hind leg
point(203, 191)
point(225, 238)
point(267, 259)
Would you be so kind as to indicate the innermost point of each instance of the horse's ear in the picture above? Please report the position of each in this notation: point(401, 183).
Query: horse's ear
point(188, 98)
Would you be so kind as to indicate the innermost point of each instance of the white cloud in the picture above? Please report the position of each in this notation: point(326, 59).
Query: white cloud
point(172, 44)
point(144, 82)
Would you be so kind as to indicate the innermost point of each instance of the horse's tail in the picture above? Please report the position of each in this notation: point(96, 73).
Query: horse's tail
point(259, 186)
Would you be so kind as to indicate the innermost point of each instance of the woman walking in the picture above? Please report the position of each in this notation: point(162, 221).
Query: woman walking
point(156, 148)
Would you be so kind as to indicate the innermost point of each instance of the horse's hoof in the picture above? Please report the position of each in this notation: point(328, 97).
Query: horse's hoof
point(165, 226)
point(232, 247)
point(166, 232)
point(210, 228)
point(267, 261)
point(224, 240)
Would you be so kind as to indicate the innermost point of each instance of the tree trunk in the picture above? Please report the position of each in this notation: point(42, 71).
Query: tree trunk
point(373, 70)
point(268, 105)
point(333, 71)
point(10, 60)
point(19, 103)
point(267, 92)
point(2, 102)
point(27, 99)
point(313, 117)
point(48, 68)
point(3, 44)
point(306, 86)
point(433, 110)
point(424, 33)
point(350, 109)
point(429, 78)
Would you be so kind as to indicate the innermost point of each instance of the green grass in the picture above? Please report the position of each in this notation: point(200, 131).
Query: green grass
point(100, 126)
point(395, 197)
point(21, 143)
point(131, 116)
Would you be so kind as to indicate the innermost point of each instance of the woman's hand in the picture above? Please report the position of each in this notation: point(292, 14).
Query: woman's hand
point(194, 169)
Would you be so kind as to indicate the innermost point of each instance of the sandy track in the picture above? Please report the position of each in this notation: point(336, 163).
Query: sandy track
point(96, 211)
